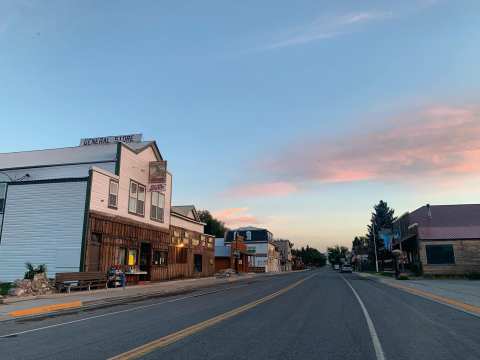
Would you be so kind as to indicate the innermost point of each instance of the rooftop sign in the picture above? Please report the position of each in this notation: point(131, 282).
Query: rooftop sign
point(133, 138)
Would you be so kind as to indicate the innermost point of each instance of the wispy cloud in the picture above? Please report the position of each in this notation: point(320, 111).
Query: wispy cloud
point(327, 27)
point(433, 141)
point(277, 188)
point(235, 216)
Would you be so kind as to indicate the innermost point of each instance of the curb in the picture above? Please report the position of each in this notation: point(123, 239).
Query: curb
point(455, 304)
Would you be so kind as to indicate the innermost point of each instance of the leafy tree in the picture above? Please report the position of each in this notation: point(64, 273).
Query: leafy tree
point(336, 253)
point(213, 226)
point(310, 256)
point(382, 217)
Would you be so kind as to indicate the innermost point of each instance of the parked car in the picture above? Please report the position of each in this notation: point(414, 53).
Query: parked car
point(336, 267)
point(346, 268)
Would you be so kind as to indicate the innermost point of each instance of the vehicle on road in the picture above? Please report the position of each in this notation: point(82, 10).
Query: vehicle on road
point(336, 267)
point(346, 268)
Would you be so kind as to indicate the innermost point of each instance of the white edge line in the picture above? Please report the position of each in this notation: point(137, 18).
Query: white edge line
point(117, 312)
point(371, 328)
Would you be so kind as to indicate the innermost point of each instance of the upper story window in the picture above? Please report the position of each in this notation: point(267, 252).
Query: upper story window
point(249, 235)
point(136, 198)
point(3, 193)
point(113, 194)
point(157, 206)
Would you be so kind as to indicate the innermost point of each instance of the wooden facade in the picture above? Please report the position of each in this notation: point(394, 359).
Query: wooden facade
point(113, 241)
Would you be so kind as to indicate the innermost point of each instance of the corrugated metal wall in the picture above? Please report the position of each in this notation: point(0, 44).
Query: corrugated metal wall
point(43, 224)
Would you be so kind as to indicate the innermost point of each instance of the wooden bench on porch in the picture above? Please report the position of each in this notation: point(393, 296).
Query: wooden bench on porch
point(80, 280)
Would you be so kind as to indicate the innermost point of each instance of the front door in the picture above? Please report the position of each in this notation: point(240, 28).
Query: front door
point(94, 251)
point(145, 260)
point(197, 263)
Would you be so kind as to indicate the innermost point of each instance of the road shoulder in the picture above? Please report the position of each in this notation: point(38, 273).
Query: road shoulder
point(412, 288)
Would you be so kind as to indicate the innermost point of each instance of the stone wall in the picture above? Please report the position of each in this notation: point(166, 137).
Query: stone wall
point(467, 258)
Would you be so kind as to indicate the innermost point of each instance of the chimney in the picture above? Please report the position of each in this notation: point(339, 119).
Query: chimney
point(429, 211)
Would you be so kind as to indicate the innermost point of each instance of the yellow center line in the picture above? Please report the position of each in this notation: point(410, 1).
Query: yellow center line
point(176, 336)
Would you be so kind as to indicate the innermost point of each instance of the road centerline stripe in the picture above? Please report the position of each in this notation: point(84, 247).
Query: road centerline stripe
point(371, 328)
point(136, 308)
point(181, 334)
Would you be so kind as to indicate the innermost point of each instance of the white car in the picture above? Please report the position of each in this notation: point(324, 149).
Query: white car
point(336, 267)
point(346, 268)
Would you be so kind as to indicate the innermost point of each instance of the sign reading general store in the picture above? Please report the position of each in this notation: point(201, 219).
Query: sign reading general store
point(132, 138)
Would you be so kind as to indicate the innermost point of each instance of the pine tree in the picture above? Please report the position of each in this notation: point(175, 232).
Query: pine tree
point(382, 218)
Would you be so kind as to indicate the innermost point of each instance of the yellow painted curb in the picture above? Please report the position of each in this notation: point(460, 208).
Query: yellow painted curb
point(467, 307)
point(46, 309)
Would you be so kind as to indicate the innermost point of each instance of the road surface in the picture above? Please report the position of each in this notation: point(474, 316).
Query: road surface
point(306, 315)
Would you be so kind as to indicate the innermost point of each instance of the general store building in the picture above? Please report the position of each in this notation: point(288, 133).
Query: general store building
point(90, 207)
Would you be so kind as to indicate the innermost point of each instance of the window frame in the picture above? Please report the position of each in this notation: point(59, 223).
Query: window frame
point(164, 257)
point(429, 256)
point(130, 197)
point(159, 196)
point(3, 196)
point(111, 206)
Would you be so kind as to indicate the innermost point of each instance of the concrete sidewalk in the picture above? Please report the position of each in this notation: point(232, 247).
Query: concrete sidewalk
point(14, 307)
point(461, 294)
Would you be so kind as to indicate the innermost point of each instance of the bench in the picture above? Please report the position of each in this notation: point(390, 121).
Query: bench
point(80, 280)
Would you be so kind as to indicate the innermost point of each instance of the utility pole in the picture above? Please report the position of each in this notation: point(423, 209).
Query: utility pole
point(375, 244)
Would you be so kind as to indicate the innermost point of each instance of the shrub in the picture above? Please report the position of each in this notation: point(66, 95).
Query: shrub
point(4, 287)
point(417, 269)
point(403, 277)
point(32, 270)
point(473, 276)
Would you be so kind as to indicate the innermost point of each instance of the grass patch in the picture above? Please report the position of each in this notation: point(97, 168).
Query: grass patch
point(403, 277)
point(4, 287)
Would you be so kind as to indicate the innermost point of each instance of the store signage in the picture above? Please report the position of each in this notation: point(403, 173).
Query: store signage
point(133, 138)
point(158, 176)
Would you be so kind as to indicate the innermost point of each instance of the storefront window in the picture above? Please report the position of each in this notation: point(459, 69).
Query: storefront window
point(440, 254)
point(121, 256)
point(160, 258)
point(132, 257)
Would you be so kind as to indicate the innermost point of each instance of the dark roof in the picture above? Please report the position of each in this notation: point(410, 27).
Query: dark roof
point(447, 222)
point(184, 210)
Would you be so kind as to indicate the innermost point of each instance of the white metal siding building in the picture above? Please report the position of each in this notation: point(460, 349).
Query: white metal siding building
point(43, 224)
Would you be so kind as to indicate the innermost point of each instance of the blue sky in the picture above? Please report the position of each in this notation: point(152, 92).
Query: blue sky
point(298, 116)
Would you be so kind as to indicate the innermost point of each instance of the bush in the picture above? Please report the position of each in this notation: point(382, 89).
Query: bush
point(4, 287)
point(416, 269)
point(473, 276)
point(403, 277)
point(32, 271)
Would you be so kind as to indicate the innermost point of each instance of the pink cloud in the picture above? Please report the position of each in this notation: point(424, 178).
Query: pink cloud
point(235, 216)
point(439, 141)
point(279, 188)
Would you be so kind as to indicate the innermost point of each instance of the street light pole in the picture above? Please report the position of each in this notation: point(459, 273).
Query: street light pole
point(375, 245)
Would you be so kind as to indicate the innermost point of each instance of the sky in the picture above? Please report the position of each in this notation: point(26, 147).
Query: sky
point(298, 116)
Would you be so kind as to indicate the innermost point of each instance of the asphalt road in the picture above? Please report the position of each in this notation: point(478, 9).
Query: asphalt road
point(312, 315)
